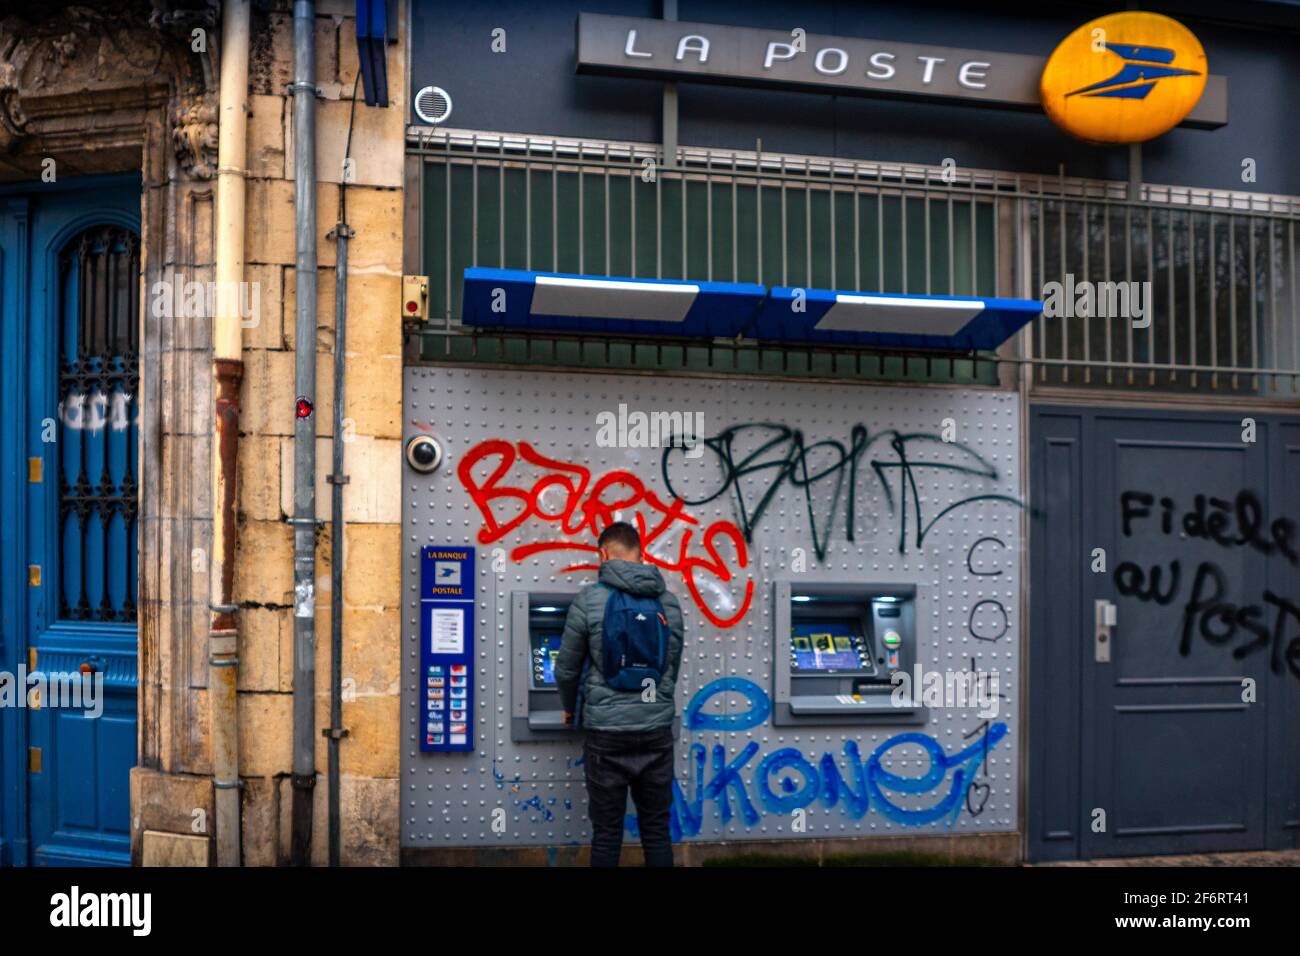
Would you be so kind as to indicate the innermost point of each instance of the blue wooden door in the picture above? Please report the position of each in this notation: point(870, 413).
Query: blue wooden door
point(1177, 733)
point(71, 296)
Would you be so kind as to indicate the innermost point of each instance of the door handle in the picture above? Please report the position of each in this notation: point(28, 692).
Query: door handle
point(91, 665)
point(1104, 618)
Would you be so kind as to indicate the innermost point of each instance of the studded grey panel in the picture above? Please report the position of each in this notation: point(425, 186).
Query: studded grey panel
point(930, 497)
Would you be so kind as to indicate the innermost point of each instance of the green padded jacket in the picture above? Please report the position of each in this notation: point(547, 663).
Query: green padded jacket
point(605, 708)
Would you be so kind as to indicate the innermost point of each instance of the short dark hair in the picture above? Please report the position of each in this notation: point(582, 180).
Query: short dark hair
point(622, 536)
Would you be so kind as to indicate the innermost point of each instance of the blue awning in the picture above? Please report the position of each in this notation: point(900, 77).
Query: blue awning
point(562, 302)
point(888, 320)
point(512, 298)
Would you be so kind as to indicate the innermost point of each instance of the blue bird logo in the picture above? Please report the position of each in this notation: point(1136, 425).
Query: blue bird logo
point(1144, 66)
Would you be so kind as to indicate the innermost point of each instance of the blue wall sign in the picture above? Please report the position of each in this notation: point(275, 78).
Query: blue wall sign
point(447, 648)
point(513, 298)
point(891, 320)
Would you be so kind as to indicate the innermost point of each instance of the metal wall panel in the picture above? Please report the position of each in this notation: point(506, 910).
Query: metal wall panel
point(890, 501)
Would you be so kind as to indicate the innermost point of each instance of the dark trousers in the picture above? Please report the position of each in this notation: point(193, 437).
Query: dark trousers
point(615, 763)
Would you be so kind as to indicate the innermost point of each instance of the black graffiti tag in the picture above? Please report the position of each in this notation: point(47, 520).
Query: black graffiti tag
point(1239, 523)
point(784, 459)
point(1219, 622)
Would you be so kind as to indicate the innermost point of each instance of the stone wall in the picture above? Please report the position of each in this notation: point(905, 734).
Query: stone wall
point(264, 570)
point(166, 791)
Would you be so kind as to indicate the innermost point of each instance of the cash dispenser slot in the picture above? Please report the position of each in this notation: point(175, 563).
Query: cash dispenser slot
point(536, 627)
point(836, 649)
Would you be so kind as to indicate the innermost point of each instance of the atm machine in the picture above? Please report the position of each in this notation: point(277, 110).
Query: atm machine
point(536, 626)
point(836, 650)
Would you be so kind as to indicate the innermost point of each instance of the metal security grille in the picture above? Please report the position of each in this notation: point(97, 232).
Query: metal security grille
point(1216, 276)
point(98, 427)
point(1221, 267)
point(614, 209)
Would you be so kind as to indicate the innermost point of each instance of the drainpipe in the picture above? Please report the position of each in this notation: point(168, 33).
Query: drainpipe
point(335, 732)
point(227, 373)
point(304, 433)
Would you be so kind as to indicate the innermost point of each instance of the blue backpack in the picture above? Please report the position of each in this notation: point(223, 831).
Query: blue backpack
point(634, 641)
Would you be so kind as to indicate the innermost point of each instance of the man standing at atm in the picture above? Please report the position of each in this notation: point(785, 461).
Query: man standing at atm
point(617, 671)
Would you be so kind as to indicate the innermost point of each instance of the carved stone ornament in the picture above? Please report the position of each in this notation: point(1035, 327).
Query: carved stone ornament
point(194, 120)
point(13, 124)
point(194, 137)
point(62, 60)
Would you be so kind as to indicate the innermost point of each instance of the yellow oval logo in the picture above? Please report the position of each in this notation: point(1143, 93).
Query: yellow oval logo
point(1124, 78)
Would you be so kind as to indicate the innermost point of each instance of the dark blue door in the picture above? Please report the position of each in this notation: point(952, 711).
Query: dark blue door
point(71, 300)
point(1173, 730)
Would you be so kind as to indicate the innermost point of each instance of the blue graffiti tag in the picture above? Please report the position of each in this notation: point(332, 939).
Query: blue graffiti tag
point(759, 706)
point(966, 761)
point(534, 803)
point(786, 779)
point(792, 799)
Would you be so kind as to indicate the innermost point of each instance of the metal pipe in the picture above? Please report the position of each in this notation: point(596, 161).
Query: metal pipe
point(227, 373)
point(304, 433)
point(670, 102)
point(338, 479)
point(335, 732)
point(1134, 172)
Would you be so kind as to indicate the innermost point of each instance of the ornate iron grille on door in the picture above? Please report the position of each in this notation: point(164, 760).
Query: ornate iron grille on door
point(99, 377)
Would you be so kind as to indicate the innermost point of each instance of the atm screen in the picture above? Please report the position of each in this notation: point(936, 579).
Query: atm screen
point(546, 648)
point(827, 646)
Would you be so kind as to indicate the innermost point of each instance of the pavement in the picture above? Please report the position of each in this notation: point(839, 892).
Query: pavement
point(1260, 858)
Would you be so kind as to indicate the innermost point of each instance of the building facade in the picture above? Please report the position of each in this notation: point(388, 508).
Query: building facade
point(968, 444)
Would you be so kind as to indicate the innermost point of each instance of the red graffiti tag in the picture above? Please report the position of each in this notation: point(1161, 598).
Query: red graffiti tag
point(584, 509)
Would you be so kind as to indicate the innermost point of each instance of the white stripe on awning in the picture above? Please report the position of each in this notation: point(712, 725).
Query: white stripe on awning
point(899, 315)
point(613, 299)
